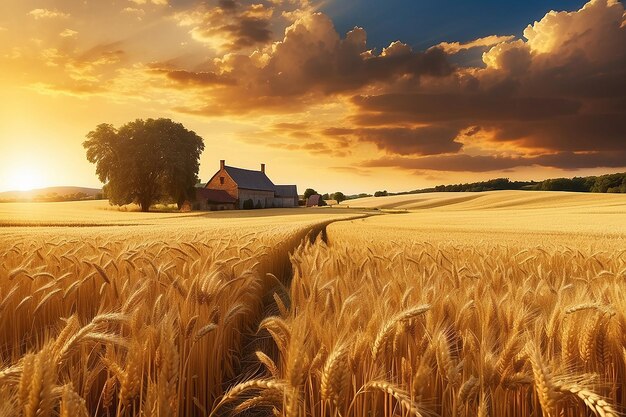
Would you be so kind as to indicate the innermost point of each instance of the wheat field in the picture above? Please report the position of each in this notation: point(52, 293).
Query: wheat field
point(499, 305)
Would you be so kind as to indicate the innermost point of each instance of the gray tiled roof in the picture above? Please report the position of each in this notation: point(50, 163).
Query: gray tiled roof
point(250, 180)
point(286, 191)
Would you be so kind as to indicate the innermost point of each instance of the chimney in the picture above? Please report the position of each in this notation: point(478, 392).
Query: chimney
point(222, 163)
point(263, 168)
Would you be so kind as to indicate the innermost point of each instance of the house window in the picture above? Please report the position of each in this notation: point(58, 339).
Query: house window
point(222, 180)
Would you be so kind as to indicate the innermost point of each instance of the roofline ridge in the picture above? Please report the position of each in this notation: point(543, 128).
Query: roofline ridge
point(245, 169)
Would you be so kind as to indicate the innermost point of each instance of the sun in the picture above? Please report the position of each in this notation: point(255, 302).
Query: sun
point(24, 178)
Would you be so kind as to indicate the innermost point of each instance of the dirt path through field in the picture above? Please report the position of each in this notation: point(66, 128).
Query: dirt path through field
point(283, 271)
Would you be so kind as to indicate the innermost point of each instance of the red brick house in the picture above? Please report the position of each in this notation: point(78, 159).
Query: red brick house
point(229, 187)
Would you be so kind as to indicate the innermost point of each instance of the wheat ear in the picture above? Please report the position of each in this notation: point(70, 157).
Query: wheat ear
point(336, 374)
point(595, 402)
point(386, 330)
point(255, 384)
point(399, 394)
point(546, 390)
point(72, 404)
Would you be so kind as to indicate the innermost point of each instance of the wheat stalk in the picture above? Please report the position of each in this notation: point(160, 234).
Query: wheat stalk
point(390, 325)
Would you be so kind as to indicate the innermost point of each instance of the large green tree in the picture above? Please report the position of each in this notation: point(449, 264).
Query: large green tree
point(145, 161)
point(339, 196)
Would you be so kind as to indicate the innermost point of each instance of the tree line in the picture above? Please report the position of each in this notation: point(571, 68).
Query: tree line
point(338, 196)
point(609, 183)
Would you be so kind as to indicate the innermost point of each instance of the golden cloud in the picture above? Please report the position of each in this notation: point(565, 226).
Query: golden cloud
point(554, 98)
point(456, 47)
point(68, 33)
point(47, 14)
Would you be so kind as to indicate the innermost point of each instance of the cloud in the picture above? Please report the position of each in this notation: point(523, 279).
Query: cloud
point(291, 126)
point(156, 2)
point(560, 92)
point(581, 132)
point(557, 94)
point(227, 25)
point(319, 148)
point(564, 33)
point(298, 136)
point(312, 57)
point(137, 12)
point(487, 163)
point(48, 14)
point(456, 47)
point(554, 98)
point(194, 79)
point(309, 66)
point(68, 33)
point(352, 170)
point(69, 70)
point(70, 88)
point(463, 106)
point(427, 140)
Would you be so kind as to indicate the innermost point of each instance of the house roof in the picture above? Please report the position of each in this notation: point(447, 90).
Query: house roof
point(250, 180)
point(286, 191)
point(214, 196)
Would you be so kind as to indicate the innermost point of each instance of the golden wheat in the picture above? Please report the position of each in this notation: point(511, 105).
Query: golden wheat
point(387, 316)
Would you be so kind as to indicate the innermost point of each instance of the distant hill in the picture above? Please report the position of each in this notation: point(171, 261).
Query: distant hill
point(506, 200)
point(52, 194)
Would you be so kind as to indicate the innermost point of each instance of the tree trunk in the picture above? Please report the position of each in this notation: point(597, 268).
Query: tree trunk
point(145, 206)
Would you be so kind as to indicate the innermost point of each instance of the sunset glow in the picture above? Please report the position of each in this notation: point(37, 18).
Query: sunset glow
point(23, 178)
point(325, 93)
point(312, 208)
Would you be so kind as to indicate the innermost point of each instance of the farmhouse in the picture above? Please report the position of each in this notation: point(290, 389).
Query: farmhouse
point(230, 187)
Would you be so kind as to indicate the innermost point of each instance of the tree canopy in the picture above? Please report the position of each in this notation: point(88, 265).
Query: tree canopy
point(309, 192)
point(145, 161)
point(339, 196)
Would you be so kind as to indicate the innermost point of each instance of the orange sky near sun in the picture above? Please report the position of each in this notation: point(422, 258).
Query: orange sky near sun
point(274, 82)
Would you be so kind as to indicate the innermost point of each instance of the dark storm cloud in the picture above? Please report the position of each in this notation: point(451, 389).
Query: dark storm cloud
point(473, 107)
point(230, 25)
point(428, 140)
point(250, 31)
point(486, 163)
point(195, 79)
point(227, 4)
point(582, 132)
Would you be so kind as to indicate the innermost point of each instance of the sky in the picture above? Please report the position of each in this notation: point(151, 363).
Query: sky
point(350, 95)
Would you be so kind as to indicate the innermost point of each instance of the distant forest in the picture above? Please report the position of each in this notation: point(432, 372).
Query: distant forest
point(52, 197)
point(610, 183)
point(52, 194)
